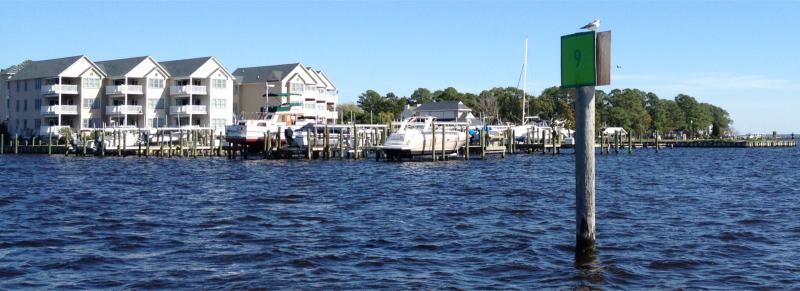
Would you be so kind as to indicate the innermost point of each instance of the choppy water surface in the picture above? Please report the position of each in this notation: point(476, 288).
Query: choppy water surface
point(708, 218)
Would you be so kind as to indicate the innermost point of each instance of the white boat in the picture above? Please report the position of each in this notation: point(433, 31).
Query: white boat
point(415, 135)
point(279, 119)
point(532, 127)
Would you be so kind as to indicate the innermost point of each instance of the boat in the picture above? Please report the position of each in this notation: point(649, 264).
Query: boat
point(534, 128)
point(415, 135)
point(284, 119)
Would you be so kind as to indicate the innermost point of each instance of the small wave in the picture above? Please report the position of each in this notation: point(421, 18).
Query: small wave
point(674, 264)
point(9, 272)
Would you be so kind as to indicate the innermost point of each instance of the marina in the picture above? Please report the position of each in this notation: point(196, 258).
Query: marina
point(362, 141)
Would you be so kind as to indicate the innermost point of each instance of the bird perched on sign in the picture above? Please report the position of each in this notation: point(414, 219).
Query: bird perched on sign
point(593, 26)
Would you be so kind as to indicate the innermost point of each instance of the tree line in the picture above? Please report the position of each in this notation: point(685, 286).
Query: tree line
point(632, 109)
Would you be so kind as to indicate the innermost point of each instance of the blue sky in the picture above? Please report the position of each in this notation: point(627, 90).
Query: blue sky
point(738, 55)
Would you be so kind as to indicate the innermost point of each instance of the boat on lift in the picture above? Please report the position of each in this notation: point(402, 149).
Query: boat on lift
point(284, 119)
point(415, 135)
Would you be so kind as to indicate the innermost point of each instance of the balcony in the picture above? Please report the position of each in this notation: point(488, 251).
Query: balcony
point(188, 89)
point(188, 109)
point(124, 89)
point(60, 109)
point(123, 109)
point(59, 89)
point(54, 129)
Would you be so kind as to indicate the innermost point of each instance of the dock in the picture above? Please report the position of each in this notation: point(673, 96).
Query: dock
point(362, 141)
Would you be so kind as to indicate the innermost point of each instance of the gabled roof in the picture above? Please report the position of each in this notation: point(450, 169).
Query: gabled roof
point(321, 74)
point(185, 67)
point(119, 67)
point(321, 81)
point(45, 68)
point(264, 74)
point(442, 106)
point(10, 70)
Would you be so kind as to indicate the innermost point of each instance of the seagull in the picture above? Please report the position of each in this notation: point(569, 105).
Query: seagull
point(593, 26)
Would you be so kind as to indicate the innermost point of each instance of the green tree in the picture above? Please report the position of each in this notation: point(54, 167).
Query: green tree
point(421, 96)
point(371, 101)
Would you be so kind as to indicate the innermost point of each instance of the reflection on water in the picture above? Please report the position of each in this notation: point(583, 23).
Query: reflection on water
point(682, 218)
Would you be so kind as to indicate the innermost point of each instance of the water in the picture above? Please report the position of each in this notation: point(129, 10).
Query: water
point(697, 218)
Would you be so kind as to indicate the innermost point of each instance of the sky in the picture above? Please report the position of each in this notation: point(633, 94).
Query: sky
point(739, 55)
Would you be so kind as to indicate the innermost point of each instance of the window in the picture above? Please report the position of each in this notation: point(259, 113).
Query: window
point(38, 84)
point(17, 104)
point(85, 123)
point(88, 103)
point(155, 103)
point(37, 104)
point(218, 103)
point(26, 87)
point(181, 82)
point(17, 85)
point(310, 88)
point(218, 123)
point(25, 124)
point(37, 123)
point(156, 122)
point(296, 88)
point(196, 82)
point(218, 83)
point(91, 83)
point(156, 83)
point(25, 105)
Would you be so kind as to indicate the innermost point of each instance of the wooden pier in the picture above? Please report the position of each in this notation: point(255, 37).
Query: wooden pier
point(329, 142)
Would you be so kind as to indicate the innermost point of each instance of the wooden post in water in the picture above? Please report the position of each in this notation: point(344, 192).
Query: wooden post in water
point(278, 140)
point(585, 170)
point(466, 145)
point(2, 143)
point(116, 141)
point(49, 143)
point(266, 144)
point(85, 143)
point(124, 143)
point(327, 143)
point(139, 145)
point(309, 150)
point(103, 142)
point(433, 141)
point(483, 143)
point(655, 136)
point(16, 144)
point(443, 142)
point(630, 144)
point(355, 142)
point(341, 144)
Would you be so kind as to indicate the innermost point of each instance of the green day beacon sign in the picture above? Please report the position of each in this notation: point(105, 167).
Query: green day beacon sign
point(585, 59)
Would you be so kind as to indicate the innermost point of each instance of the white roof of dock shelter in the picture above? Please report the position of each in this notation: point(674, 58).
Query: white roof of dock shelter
point(613, 130)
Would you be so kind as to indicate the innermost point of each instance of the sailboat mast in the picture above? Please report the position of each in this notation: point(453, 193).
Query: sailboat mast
point(524, 81)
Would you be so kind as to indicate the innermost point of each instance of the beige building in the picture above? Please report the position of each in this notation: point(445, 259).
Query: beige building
point(5, 74)
point(135, 92)
point(200, 93)
point(295, 85)
point(45, 96)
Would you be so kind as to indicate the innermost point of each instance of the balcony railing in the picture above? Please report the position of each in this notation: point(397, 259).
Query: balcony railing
point(123, 109)
point(54, 129)
point(124, 89)
point(188, 109)
point(60, 89)
point(60, 109)
point(188, 89)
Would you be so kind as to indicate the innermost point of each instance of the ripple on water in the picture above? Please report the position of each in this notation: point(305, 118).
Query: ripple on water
point(499, 224)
